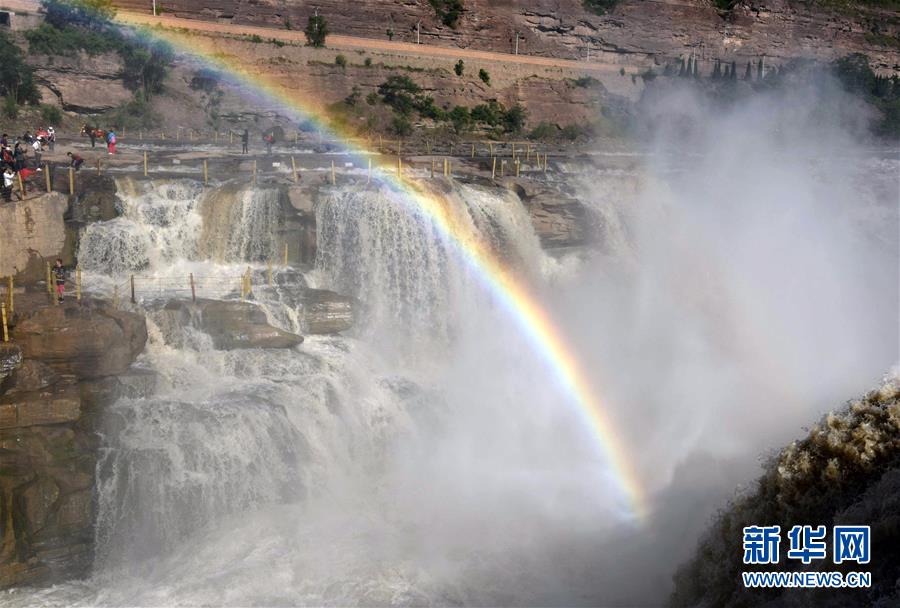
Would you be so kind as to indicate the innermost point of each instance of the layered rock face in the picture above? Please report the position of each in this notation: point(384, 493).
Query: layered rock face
point(81, 82)
point(230, 324)
point(635, 31)
point(76, 358)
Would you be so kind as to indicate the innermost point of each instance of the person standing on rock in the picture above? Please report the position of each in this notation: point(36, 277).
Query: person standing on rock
point(111, 142)
point(38, 150)
point(269, 139)
point(59, 277)
point(245, 142)
point(51, 138)
point(19, 156)
point(9, 178)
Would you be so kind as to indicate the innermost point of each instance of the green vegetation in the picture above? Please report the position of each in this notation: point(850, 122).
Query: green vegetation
point(316, 31)
point(857, 78)
point(883, 40)
point(135, 114)
point(724, 5)
point(401, 126)
point(353, 98)
point(600, 7)
point(586, 82)
point(459, 67)
point(485, 77)
point(340, 61)
point(544, 130)
point(16, 76)
point(51, 115)
point(447, 10)
point(49, 40)
point(460, 119)
point(10, 107)
point(256, 39)
point(368, 62)
point(389, 33)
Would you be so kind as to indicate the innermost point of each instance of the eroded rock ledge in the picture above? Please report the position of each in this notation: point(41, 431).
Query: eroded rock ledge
point(65, 364)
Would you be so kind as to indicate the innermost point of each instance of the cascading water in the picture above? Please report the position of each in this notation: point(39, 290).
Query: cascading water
point(280, 449)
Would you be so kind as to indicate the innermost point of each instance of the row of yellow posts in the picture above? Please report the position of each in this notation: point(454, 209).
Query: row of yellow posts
point(8, 305)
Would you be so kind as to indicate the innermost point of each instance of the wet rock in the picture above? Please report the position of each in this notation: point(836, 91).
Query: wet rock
point(10, 359)
point(95, 199)
point(56, 404)
point(230, 324)
point(87, 339)
point(32, 375)
point(325, 312)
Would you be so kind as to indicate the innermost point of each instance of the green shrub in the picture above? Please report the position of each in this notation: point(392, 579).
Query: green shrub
point(543, 130)
point(401, 125)
point(514, 119)
point(600, 7)
point(51, 115)
point(489, 114)
point(316, 31)
point(256, 39)
point(368, 62)
point(571, 132)
point(586, 81)
point(459, 118)
point(340, 61)
point(10, 106)
point(372, 98)
point(353, 98)
point(133, 114)
point(48, 40)
point(459, 67)
point(277, 42)
point(448, 11)
point(485, 77)
point(400, 93)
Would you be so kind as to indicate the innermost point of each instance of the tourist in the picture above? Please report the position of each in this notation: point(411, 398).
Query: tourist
point(4, 141)
point(111, 142)
point(269, 139)
point(76, 161)
point(9, 178)
point(51, 138)
point(38, 148)
point(245, 142)
point(19, 156)
point(6, 155)
point(59, 275)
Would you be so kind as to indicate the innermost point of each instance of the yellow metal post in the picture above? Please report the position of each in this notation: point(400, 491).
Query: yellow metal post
point(254, 172)
point(78, 283)
point(473, 150)
point(517, 167)
point(21, 186)
point(514, 150)
point(98, 166)
point(432, 168)
point(494, 167)
point(205, 172)
point(145, 163)
point(491, 146)
point(3, 315)
point(47, 176)
point(333, 179)
point(294, 170)
point(285, 254)
point(71, 181)
point(399, 168)
point(141, 135)
point(10, 295)
point(49, 280)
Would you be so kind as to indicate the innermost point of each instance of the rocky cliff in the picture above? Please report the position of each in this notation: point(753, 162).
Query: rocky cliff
point(846, 471)
point(65, 363)
point(641, 31)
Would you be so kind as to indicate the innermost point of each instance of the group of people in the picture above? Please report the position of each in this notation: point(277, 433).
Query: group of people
point(14, 158)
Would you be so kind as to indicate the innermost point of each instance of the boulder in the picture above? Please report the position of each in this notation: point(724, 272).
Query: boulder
point(95, 199)
point(56, 404)
point(230, 324)
point(88, 339)
point(325, 312)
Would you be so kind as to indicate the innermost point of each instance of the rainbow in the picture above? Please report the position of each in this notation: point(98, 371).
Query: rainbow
point(509, 290)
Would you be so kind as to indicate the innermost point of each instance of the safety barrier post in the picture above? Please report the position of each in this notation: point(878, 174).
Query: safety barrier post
point(47, 175)
point(71, 181)
point(285, 254)
point(10, 295)
point(193, 289)
point(333, 179)
point(98, 166)
point(451, 148)
point(3, 315)
point(369, 172)
point(205, 172)
point(473, 150)
point(178, 134)
point(232, 136)
point(432, 168)
point(78, 283)
point(518, 162)
point(49, 280)
point(502, 167)
point(216, 136)
point(133, 301)
point(254, 172)
point(528, 152)
point(491, 146)
point(141, 135)
point(514, 150)
point(494, 168)
point(21, 185)
point(145, 163)
point(294, 170)
point(399, 168)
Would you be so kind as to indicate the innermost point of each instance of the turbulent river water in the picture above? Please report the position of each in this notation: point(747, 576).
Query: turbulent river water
point(427, 457)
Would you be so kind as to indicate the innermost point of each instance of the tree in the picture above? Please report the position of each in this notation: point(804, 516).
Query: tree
point(600, 7)
point(459, 67)
point(340, 61)
point(16, 76)
point(460, 119)
point(146, 64)
point(390, 33)
point(485, 77)
point(400, 93)
point(448, 10)
point(401, 125)
point(514, 119)
point(316, 31)
point(92, 14)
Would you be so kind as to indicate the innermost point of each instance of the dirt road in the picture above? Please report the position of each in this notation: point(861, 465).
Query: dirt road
point(353, 43)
